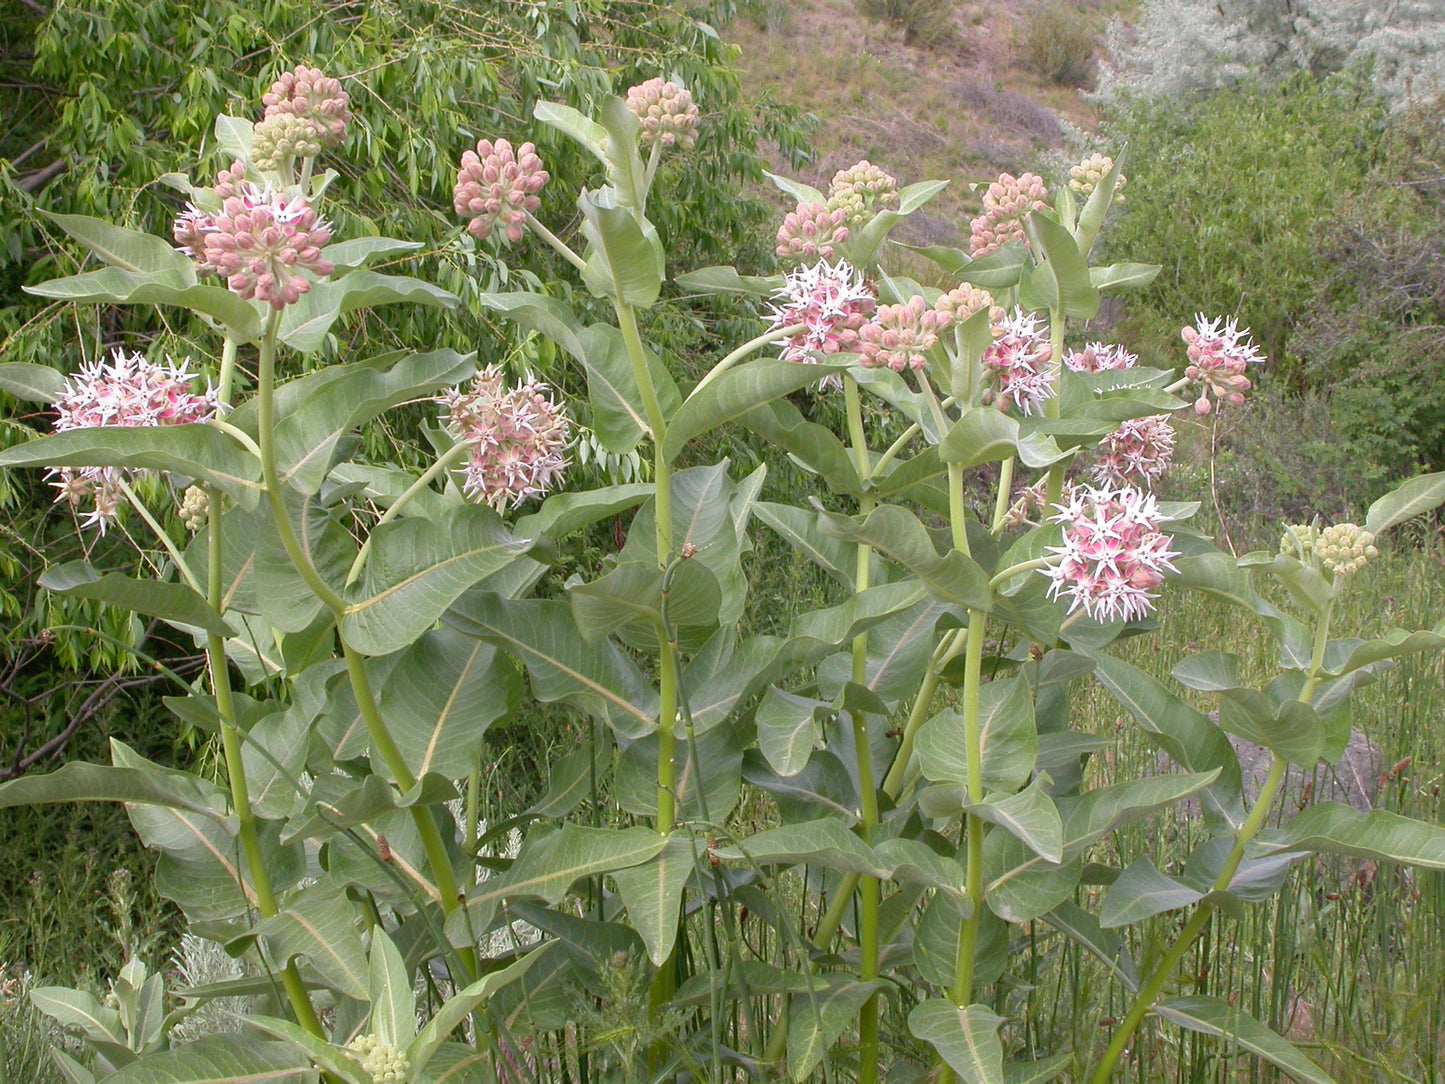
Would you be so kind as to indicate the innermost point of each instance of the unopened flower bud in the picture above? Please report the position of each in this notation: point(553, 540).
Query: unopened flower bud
point(385, 1063)
point(666, 113)
point(497, 186)
point(1345, 548)
point(811, 232)
point(899, 335)
point(966, 299)
point(1085, 177)
point(862, 190)
point(282, 138)
point(308, 94)
point(1006, 203)
point(194, 509)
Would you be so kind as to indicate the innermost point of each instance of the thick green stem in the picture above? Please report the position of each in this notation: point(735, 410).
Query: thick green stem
point(443, 463)
point(558, 245)
point(1149, 993)
point(1001, 499)
point(1054, 490)
point(381, 740)
point(962, 992)
point(236, 769)
point(743, 351)
point(870, 892)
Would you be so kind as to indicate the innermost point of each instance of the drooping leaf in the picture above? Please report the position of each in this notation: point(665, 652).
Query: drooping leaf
point(966, 1038)
point(1335, 828)
point(548, 867)
point(891, 529)
point(1141, 891)
point(1020, 884)
point(1031, 816)
point(306, 324)
point(575, 124)
point(817, 1020)
point(548, 316)
point(619, 417)
point(1116, 278)
point(115, 286)
point(356, 252)
point(739, 390)
point(175, 603)
point(913, 861)
point(652, 893)
point(626, 261)
point(796, 189)
point(150, 784)
point(563, 513)
point(707, 787)
point(33, 383)
point(1215, 1016)
point(459, 1006)
point(824, 842)
point(788, 729)
point(799, 528)
point(317, 923)
point(726, 280)
point(127, 249)
point(982, 435)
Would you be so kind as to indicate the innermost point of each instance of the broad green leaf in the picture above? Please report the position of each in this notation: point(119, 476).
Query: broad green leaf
point(652, 894)
point(788, 729)
point(1039, 1071)
point(1099, 811)
point(799, 528)
point(736, 392)
point(1291, 729)
point(563, 513)
point(726, 280)
point(626, 262)
point(598, 679)
point(1062, 278)
point(357, 252)
point(750, 976)
point(1334, 828)
point(548, 867)
point(1007, 737)
point(318, 923)
point(1141, 891)
point(305, 325)
point(910, 477)
point(233, 136)
point(337, 1061)
point(999, 270)
point(862, 246)
point(572, 778)
point(419, 568)
point(221, 1059)
point(952, 260)
point(822, 842)
point(813, 446)
point(823, 788)
point(1123, 276)
point(460, 1005)
point(982, 435)
point(625, 170)
point(578, 126)
point(632, 595)
point(913, 861)
point(897, 532)
point(543, 314)
point(114, 286)
point(1031, 816)
point(440, 697)
point(1096, 208)
point(1215, 1016)
point(393, 1006)
point(1208, 671)
point(117, 246)
point(274, 755)
point(618, 416)
point(966, 1038)
point(1107, 946)
point(1020, 885)
point(196, 451)
point(33, 383)
point(149, 784)
point(314, 414)
point(79, 1009)
point(1189, 738)
point(174, 603)
point(817, 1020)
point(898, 652)
point(283, 596)
point(709, 783)
point(1393, 645)
point(801, 192)
point(1406, 501)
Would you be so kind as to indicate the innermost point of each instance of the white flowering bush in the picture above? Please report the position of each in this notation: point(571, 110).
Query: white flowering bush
point(364, 625)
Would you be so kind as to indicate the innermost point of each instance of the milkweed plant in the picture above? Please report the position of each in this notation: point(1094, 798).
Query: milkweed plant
point(927, 789)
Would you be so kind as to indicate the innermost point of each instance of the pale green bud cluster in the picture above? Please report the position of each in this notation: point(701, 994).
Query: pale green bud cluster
point(194, 506)
point(385, 1063)
point(1298, 540)
point(861, 189)
point(281, 138)
point(1345, 547)
point(1085, 177)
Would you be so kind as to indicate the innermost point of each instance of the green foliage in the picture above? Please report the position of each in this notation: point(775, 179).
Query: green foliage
point(1058, 41)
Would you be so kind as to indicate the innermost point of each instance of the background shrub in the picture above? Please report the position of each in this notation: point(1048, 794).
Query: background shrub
point(924, 22)
point(1058, 42)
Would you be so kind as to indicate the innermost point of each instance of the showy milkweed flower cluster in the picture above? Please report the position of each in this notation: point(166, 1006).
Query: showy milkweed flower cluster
point(310, 95)
point(1219, 351)
point(1114, 555)
point(666, 111)
point(517, 437)
point(1341, 549)
point(126, 391)
point(1085, 177)
point(1006, 203)
point(813, 231)
point(260, 242)
point(899, 335)
point(831, 301)
point(1020, 358)
point(498, 186)
point(1100, 357)
point(1137, 453)
point(966, 299)
point(860, 190)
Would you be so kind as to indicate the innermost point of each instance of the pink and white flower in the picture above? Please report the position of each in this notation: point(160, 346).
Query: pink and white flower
point(1137, 453)
point(899, 336)
point(831, 301)
point(128, 391)
point(1114, 556)
point(1219, 353)
point(1006, 203)
point(498, 186)
point(262, 240)
point(517, 438)
point(1020, 358)
point(1100, 357)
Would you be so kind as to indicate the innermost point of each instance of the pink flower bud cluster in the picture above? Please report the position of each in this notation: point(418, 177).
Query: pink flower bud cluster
point(811, 232)
point(1085, 177)
point(192, 224)
point(1006, 203)
point(1137, 453)
point(966, 299)
point(1114, 555)
point(262, 240)
point(229, 182)
point(313, 96)
point(1020, 358)
point(128, 391)
point(1100, 357)
point(899, 335)
point(860, 190)
point(517, 438)
point(831, 301)
point(1219, 351)
point(497, 186)
point(667, 112)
